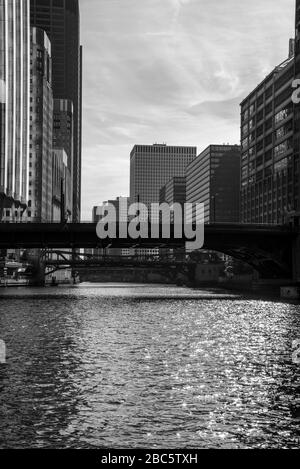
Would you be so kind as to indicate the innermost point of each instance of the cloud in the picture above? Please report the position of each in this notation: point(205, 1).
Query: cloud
point(172, 71)
point(223, 110)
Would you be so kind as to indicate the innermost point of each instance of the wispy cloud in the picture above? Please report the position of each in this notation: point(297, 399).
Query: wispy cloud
point(172, 71)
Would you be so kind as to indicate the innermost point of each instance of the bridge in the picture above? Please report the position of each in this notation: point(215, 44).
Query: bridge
point(274, 251)
point(77, 261)
point(167, 267)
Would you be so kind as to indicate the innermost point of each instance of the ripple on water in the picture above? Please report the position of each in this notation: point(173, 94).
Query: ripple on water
point(147, 367)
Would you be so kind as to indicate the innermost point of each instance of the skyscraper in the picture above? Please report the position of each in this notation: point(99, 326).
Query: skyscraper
point(61, 20)
point(213, 179)
point(14, 102)
point(152, 166)
point(296, 162)
point(174, 192)
point(61, 186)
point(269, 162)
point(121, 206)
point(41, 129)
point(63, 127)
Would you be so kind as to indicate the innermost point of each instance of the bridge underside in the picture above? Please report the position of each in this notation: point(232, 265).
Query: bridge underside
point(271, 257)
point(269, 249)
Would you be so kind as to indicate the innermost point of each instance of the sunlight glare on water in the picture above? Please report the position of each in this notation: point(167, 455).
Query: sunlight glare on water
point(99, 366)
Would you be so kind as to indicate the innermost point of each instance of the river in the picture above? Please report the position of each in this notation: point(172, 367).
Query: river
point(141, 366)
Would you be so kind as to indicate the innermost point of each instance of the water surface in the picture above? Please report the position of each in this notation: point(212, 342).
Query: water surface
point(131, 366)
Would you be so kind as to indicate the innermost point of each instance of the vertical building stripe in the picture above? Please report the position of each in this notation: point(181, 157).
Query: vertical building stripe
point(13, 85)
point(6, 95)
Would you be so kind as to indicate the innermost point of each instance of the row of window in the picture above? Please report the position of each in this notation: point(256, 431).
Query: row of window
point(249, 113)
point(279, 117)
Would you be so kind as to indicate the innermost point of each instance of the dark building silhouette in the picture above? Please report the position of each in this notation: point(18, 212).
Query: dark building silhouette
point(61, 20)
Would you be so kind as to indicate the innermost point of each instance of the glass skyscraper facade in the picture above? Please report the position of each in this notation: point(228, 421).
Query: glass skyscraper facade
point(61, 21)
point(14, 102)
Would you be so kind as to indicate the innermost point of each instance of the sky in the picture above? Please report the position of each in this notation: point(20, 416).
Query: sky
point(169, 71)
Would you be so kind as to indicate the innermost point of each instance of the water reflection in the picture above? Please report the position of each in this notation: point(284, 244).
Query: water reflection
point(147, 367)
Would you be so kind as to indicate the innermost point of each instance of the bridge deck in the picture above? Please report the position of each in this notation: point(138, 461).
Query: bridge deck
point(270, 249)
point(83, 235)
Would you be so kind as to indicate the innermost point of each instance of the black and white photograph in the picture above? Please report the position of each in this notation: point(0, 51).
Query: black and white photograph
point(149, 228)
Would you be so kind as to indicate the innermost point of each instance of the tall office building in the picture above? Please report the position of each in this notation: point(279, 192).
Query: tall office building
point(270, 135)
point(14, 103)
point(61, 186)
point(213, 179)
point(41, 129)
point(152, 166)
point(60, 19)
point(121, 206)
point(296, 127)
point(174, 192)
point(63, 127)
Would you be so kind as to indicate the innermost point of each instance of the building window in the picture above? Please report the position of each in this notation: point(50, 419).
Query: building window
point(282, 148)
point(281, 115)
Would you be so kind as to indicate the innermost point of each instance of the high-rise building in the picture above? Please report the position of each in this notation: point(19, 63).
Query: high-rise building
point(63, 126)
point(60, 19)
point(213, 179)
point(41, 129)
point(14, 103)
point(296, 127)
point(152, 166)
point(268, 164)
point(121, 206)
point(61, 186)
point(270, 134)
point(174, 191)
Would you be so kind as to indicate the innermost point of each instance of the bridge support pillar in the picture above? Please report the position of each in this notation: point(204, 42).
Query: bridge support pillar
point(40, 277)
point(39, 267)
